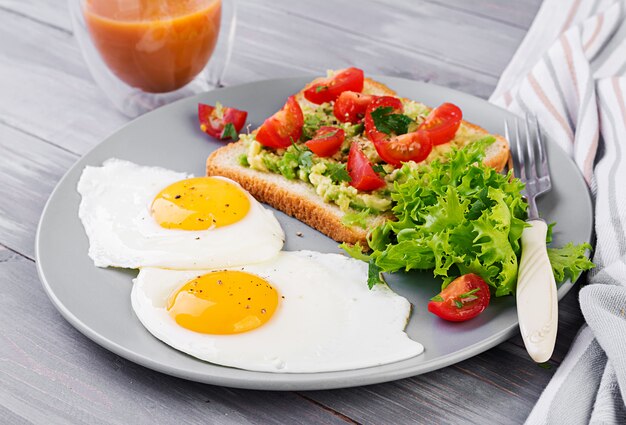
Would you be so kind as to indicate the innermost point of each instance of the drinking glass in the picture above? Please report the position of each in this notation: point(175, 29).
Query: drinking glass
point(146, 53)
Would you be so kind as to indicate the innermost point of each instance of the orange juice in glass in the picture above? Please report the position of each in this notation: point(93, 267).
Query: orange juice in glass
point(154, 51)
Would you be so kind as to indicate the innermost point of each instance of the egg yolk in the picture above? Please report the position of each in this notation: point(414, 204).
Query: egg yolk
point(223, 302)
point(200, 203)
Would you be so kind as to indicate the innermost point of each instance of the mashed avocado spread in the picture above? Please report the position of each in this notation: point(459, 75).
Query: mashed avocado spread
point(329, 176)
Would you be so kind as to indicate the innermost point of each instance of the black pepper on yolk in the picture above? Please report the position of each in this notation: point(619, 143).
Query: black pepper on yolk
point(223, 302)
point(200, 203)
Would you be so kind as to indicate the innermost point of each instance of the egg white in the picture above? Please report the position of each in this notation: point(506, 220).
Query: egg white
point(115, 212)
point(327, 321)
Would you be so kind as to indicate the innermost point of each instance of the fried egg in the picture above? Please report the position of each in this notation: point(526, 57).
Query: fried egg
point(301, 311)
point(138, 216)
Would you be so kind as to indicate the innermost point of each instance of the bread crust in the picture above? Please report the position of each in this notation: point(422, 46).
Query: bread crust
point(299, 199)
point(300, 203)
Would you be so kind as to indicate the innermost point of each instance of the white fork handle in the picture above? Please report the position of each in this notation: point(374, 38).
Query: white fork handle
point(537, 302)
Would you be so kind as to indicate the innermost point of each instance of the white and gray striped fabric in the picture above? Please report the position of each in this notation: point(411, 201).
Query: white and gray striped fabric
point(570, 71)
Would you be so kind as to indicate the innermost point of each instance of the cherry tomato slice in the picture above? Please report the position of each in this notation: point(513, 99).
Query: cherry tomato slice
point(351, 106)
point(463, 299)
point(442, 123)
point(361, 172)
point(328, 89)
point(327, 141)
point(395, 150)
point(213, 121)
point(380, 102)
point(415, 146)
point(285, 126)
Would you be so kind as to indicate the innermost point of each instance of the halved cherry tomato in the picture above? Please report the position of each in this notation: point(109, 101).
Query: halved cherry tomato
point(442, 123)
point(328, 89)
point(282, 128)
point(380, 102)
point(415, 146)
point(395, 150)
point(463, 299)
point(213, 120)
point(361, 172)
point(351, 106)
point(327, 141)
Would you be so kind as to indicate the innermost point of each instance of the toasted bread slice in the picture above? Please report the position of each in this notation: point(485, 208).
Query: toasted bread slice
point(300, 200)
point(293, 197)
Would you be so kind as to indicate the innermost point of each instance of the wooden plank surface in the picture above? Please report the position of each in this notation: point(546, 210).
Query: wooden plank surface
point(51, 112)
point(31, 169)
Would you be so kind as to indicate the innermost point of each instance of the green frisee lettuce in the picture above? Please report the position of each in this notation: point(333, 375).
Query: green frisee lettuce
point(460, 216)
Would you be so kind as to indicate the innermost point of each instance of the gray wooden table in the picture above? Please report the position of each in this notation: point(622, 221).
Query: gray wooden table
point(51, 113)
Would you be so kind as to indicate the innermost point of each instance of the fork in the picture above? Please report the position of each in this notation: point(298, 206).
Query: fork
point(537, 302)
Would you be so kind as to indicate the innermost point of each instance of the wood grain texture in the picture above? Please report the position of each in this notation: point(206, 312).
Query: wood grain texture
point(51, 112)
point(502, 382)
point(53, 13)
point(519, 14)
point(367, 40)
point(29, 170)
point(7, 255)
point(48, 92)
point(414, 29)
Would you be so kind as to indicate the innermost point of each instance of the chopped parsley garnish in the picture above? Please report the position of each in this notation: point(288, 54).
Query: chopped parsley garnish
point(295, 158)
point(337, 172)
point(437, 298)
point(389, 123)
point(458, 304)
point(229, 132)
point(304, 157)
point(321, 116)
point(320, 88)
point(378, 168)
point(305, 160)
point(469, 293)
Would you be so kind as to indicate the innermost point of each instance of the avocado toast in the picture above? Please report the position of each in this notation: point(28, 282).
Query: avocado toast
point(282, 164)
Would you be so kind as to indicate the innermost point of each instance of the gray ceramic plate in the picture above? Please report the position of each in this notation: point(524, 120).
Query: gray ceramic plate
point(96, 301)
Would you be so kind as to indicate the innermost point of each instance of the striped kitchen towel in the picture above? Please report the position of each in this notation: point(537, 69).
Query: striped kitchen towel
point(570, 71)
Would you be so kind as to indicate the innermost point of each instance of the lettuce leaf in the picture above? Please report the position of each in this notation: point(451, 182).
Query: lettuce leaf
point(569, 261)
point(374, 275)
point(356, 218)
point(460, 216)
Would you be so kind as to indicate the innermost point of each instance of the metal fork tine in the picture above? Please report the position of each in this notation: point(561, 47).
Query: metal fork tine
point(529, 161)
point(530, 148)
point(520, 153)
point(543, 157)
point(514, 161)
